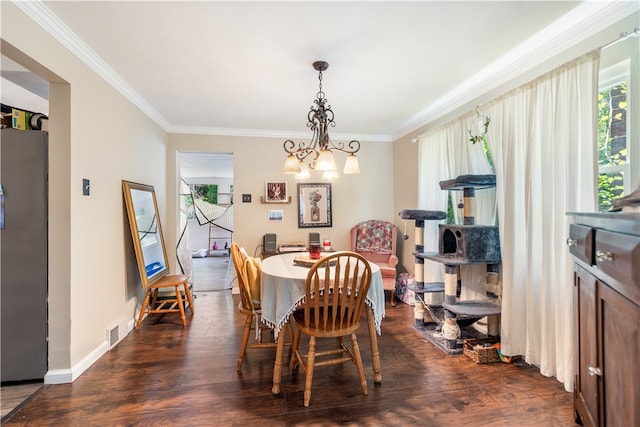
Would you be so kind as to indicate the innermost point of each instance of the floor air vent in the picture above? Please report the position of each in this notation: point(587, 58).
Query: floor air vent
point(113, 336)
point(117, 332)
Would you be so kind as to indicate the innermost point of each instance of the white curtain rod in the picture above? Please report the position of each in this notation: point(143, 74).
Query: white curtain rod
point(623, 36)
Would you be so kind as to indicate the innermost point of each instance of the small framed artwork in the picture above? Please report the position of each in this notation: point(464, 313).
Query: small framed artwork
point(314, 205)
point(276, 192)
point(276, 215)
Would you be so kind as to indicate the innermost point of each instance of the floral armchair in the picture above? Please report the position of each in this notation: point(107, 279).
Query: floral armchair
point(376, 241)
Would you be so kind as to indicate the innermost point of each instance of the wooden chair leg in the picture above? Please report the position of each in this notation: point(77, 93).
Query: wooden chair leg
point(311, 360)
point(393, 298)
point(154, 298)
point(245, 340)
point(187, 293)
point(143, 308)
point(358, 361)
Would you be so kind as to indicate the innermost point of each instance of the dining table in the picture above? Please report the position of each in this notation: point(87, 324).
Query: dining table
point(282, 291)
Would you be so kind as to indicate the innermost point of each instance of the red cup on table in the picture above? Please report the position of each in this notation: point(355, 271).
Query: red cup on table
point(314, 251)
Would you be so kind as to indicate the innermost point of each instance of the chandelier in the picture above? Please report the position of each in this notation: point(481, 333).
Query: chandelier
point(317, 154)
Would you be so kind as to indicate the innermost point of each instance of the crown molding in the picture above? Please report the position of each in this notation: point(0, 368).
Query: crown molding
point(263, 133)
point(582, 22)
point(37, 11)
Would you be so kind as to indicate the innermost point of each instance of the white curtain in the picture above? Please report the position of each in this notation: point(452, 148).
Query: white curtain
point(542, 139)
point(431, 172)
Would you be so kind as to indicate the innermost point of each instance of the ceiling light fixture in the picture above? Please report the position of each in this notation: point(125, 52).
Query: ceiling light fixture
point(317, 154)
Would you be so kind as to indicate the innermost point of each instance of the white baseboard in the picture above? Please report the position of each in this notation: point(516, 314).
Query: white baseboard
point(64, 376)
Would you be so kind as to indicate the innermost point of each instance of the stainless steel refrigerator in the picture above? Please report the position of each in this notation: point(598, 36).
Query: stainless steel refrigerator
point(23, 251)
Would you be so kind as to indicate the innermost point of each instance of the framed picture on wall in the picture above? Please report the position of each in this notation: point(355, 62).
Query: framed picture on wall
point(276, 215)
point(314, 205)
point(276, 192)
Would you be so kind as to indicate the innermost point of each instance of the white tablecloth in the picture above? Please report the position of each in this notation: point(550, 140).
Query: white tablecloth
point(282, 285)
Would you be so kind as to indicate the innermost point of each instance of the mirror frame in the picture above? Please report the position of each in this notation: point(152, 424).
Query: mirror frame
point(128, 188)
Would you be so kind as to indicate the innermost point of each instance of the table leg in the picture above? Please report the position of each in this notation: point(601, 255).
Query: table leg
point(277, 367)
point(375, 354)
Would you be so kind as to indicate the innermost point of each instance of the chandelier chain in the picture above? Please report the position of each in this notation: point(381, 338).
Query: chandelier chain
point(320, 93)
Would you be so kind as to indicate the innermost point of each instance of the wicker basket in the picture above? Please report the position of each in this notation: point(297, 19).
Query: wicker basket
point(481, 350)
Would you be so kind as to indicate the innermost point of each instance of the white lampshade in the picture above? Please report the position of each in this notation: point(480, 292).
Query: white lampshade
point(291, 165)
point(325, 161)
point(351, 165)
point(304, 173)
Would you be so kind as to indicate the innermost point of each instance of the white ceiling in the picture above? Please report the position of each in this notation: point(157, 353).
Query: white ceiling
point(244, 68)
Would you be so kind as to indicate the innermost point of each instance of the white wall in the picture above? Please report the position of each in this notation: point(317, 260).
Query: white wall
point(95, 133)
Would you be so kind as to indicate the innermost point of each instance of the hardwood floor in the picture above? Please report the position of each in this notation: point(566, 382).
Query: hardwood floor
point(164, 374)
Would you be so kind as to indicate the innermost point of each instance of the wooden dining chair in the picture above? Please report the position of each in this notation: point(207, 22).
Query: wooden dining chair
point(248, 274)
point(171, 302)
point(335, 292)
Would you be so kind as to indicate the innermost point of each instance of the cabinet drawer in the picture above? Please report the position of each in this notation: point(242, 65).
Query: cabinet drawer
point(580, 242)
point(618, 255)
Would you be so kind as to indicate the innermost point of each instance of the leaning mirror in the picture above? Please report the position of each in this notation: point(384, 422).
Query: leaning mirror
point(144, 221)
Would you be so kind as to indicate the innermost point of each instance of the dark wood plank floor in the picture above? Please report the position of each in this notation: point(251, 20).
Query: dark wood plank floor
point(164, 374)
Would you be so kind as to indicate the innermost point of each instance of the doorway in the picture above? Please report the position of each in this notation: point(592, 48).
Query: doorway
point(206, 223)
point(24, 284)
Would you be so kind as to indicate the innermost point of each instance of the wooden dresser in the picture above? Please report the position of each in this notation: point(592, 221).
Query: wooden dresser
point(606, 250)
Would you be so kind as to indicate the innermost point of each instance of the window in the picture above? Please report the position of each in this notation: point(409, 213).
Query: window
point(614, 180)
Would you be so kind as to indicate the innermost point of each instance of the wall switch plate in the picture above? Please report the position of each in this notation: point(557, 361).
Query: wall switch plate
point(86, 187)
point(246, 198)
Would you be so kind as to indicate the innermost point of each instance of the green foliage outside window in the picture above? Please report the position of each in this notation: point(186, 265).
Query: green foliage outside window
point(612, 143)
point(610, 187)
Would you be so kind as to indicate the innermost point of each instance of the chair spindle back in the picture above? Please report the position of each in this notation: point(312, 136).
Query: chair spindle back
point(336, 289)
